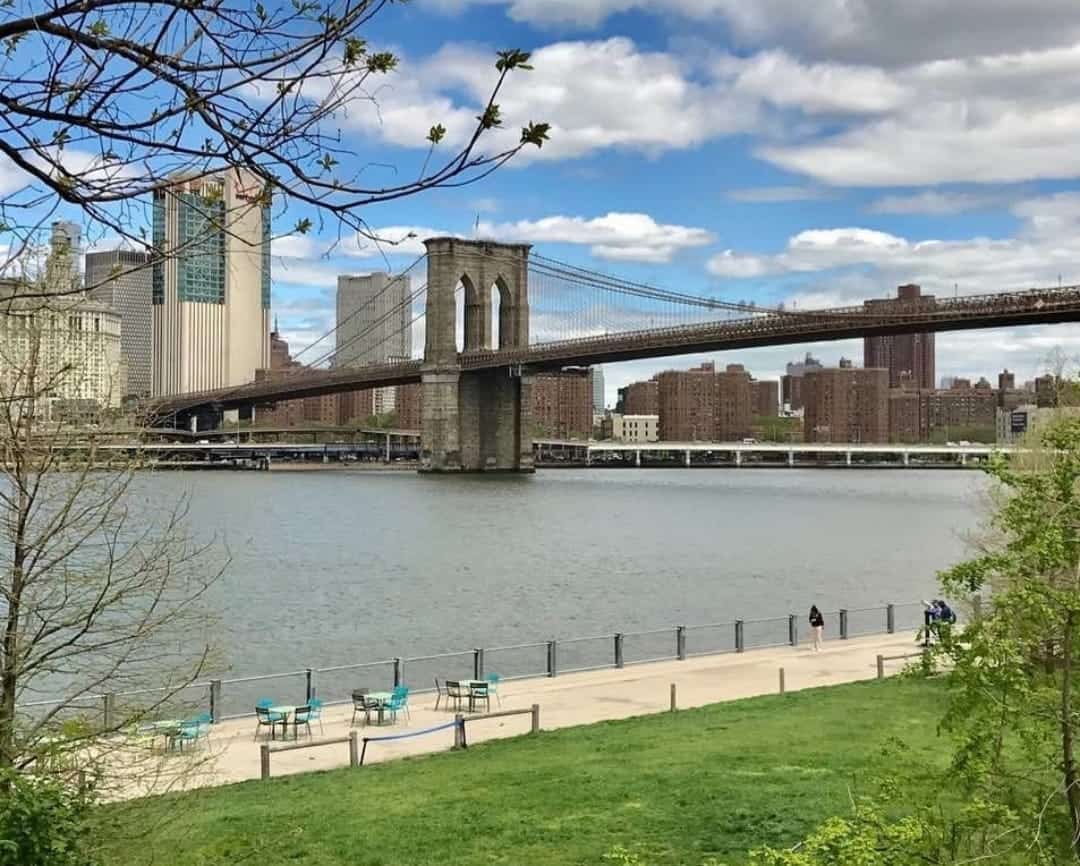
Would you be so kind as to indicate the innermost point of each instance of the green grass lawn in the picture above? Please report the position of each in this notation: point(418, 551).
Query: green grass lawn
point(676, 788)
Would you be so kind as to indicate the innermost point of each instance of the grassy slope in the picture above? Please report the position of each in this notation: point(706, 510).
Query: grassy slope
point(676, 788)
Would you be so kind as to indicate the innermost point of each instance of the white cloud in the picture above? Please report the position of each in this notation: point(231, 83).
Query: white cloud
point(860, 31)
point(595, 95)
point(776, 194)
point(937, 203)
point(1048, 245)
point(614, 236)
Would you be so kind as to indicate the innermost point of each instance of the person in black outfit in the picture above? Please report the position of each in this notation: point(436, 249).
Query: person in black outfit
point(817, 623)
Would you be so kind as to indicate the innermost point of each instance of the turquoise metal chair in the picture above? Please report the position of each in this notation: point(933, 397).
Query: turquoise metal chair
point(315, 713)
point(265, 704)
point(493, 681)
point(192, 730)
point(399, 701)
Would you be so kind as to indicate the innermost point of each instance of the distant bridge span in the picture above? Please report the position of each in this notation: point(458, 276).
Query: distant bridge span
point(476, 403)
point(1008, 309)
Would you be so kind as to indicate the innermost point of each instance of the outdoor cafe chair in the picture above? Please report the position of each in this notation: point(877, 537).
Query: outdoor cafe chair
point(479, 692)
point(360, 704)
point(402, 693)
point(493, 681)
point(301, 716)
point(399, 701)
point(192, 730)
point(440, 693)
point(454, 692)
point(266, 719)
point(316, 705)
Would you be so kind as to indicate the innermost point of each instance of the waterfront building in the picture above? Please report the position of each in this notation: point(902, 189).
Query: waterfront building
point(639, 398)
point(963, 411)
point(703, 405)
point(846, 404)
point(562, 404)
point(210, 283)
point(598, 389)
point(900, 354)
point(632, 428)
point(765, 398)
point(409, 407)
point(121, 279)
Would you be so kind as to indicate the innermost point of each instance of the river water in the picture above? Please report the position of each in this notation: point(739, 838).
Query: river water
point(338, 567)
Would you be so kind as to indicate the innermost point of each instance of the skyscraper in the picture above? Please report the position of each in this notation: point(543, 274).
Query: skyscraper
point(374, 325)
point(598, 389)
point(912, 354)
point(122, 280)
point(211, 288)
point(373, 319)
point(65, 254)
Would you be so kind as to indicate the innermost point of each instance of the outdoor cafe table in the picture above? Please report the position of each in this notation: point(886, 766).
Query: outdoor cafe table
point(381, 699)
point(283, 710)
point(167, 728)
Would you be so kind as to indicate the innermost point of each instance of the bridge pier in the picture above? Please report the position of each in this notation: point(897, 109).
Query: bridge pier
point(907, 458)
point(475, 421)
point(791, 458)
point(738, 458)
point(686, 457)
point(847, 458)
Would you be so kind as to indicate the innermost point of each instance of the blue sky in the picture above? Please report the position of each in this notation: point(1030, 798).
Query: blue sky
point(773, 150)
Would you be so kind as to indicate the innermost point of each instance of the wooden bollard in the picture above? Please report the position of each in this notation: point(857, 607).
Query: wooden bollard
point(781, 680)
point(673, 702)
point(264, 761)
point(354, 753)
point(536, 718)
point(881, 667)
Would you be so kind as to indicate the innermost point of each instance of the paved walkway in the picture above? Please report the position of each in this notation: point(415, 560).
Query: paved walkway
point(231, 755)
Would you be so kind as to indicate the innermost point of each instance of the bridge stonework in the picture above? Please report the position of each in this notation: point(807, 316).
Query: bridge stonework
point(475, 421)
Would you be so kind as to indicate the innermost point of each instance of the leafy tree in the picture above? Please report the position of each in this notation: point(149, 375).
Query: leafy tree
point(1016, 670)
point(44, 822)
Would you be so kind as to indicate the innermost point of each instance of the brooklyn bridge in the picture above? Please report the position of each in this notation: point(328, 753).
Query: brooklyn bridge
point(473, 310)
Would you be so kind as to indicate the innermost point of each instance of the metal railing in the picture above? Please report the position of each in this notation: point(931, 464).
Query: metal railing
point(236, 697)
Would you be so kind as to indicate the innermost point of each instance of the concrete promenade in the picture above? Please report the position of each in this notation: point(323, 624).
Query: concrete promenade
point(231, 755)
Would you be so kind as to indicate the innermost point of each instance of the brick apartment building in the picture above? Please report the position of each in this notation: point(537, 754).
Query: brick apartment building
point(562, 404)
point(704, 405)
point(846, 404)
point(917, 414)
point(902, 354)
point(765, 398)
point(639, 398)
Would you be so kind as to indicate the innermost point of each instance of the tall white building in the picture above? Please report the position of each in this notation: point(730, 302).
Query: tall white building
point(598, 389)
point(373, 319)
point(122, 280)
point(211, 286)
point(374, 325)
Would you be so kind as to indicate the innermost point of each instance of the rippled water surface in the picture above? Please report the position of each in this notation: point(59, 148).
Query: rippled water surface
point(335, 567)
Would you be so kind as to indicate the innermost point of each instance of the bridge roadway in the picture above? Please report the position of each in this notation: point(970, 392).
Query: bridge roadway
point(1031, 307)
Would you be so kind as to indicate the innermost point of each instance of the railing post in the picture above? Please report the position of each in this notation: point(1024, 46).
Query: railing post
point(397, 672)
point(264, 761)
point(843, 624)
point(478, 664)
point(618, 650)
point(680, 643)
point(354, 752)
point(309, 684)
point(536, 718)
point(890, 618)
point(215, 700)
point(739, 636)
point(792, 630)
point(552, 660)
point(108, 711)
point(881, 667)
point(459, 724)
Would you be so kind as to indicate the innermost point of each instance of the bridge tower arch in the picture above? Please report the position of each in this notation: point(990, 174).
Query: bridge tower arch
point(475, 421)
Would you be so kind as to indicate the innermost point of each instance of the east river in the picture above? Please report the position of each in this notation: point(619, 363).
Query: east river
point(336, 567)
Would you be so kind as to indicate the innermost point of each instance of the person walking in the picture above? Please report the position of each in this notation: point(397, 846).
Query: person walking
point(817, 623)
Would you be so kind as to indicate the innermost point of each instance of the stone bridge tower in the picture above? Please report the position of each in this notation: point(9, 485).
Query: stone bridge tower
point(475, 421)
